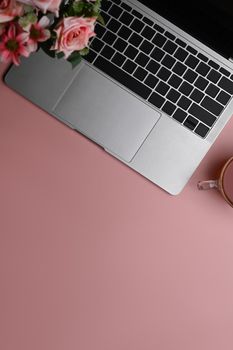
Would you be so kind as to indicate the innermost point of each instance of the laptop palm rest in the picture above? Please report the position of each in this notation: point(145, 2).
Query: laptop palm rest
point(96, 107)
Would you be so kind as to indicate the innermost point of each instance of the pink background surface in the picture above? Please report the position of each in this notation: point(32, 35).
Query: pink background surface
point(95, 257)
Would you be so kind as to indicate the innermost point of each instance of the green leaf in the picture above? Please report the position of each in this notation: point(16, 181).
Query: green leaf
point(23, 21)
point(28, 8)
point(84, 51)
point(27, 19)
point(46, 45)
point(85, 9)
point(101, 19)
point(32, 17)
point(75, 58)
point(78, 7)
point(96, 5)
point(60, 55)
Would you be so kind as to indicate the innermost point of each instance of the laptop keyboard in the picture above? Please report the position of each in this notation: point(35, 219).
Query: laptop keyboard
point(159, 67)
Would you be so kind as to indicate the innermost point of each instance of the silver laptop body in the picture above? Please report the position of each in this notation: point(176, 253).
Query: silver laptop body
point(163, 143)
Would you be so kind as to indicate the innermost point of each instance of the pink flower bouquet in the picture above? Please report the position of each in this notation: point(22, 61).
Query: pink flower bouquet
point(60, 28)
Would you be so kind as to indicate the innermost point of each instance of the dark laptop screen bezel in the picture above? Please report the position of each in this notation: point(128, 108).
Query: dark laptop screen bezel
point(210, 21)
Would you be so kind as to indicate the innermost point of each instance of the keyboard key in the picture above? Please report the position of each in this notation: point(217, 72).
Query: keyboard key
point(212, 90)
point(179, 115)
point(226, 85)
point(131, 52)
point(196, 95)
point(159, 40)
point(202, 130)
point(120, 44)
point(184, 102)
point(173, 95)
point(122, 77)
point(107, 52)
point(118, 59)
point(97, 45)
point(156, 99)
point(202, 57)
point(146, 46)
point(135, 39)
point(105, 16)
point(125, 6)
point(142, 59)
point(201, 114)
point(153, 66)
point(201, 83)
point(106, 5)
point(137, 25)
point(170, 47)
point(162, 88)
point(180, 42)
point(192, 61)
point(157, 54)
point(181, 54)
point(212, 106)
point(185, 88)
point(137, 14)
point(109, 37)
point(169, 35)
point(140, 73)
point(213, 64)
point(191, 50)
point(126, 18)
point(213, 76)
point(99, 30)
point(223, 97)
point(191, 122)
point(175, 81)
point(190, 76)
point(114, 25)
point(224, 71)
point(115, 11)
point(151, 81)
point(118, 2)
point(148, 21)
point(148, 33)
point(179, 68)
point(163, 74)
point(124, 32)
point(129, 66)
point(158, 28)
point(168, 61)
point(168, 108)
point(203, 69)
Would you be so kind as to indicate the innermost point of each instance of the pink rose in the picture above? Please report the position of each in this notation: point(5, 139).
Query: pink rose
point(44, 5)
point(73, 34)
point(9, 9)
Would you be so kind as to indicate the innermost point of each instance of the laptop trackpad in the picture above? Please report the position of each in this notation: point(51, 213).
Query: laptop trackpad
point(106, 113)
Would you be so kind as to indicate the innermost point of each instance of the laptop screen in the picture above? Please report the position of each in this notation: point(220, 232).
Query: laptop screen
point(210, 21)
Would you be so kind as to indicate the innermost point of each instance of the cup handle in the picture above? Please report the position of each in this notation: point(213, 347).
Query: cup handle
point(207, 185)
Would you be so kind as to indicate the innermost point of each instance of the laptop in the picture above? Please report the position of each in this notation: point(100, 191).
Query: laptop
point(155, 90)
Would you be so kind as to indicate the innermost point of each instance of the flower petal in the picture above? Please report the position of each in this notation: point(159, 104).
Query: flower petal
point(32, 46)
point(11, 32)
point(15, 59)
point(44, 22)
point(5, 55)
point(23, 37)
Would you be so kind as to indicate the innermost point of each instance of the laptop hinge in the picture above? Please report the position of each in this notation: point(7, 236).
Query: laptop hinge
point(230, 59)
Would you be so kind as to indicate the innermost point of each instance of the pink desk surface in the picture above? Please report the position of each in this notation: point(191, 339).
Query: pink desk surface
point(95, 257)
